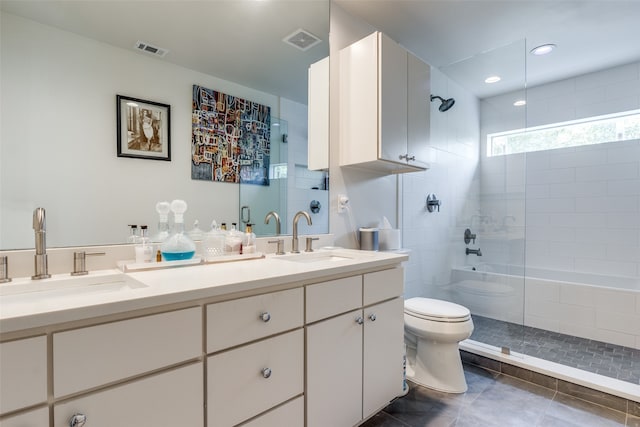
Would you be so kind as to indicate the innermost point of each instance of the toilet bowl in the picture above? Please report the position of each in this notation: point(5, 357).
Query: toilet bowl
point(432, 330)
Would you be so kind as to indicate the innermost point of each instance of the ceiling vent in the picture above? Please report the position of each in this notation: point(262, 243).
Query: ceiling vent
point(151, 49)
point(301, 39)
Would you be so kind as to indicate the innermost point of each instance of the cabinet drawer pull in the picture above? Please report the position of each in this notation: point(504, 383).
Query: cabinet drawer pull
point(78, 420)
point(372, 317)
point(266, 372)
point(265, 316)
point(359, 320)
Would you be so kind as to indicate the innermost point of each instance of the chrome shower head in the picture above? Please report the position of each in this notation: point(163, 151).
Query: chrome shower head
point(446, 104)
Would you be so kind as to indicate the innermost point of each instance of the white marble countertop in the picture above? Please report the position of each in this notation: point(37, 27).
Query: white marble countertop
point(38, 308)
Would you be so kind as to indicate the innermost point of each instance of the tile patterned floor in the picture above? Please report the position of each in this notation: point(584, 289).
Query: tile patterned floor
point(494, 400)
point(598, 357)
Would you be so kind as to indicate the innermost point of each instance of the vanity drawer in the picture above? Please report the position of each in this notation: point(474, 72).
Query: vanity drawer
point(35, 418)
point(238, 386)
point(236, 322)
point(383, 285)
point(327, 299)
point(97, 355)
point(173, 398)
point(291, 414)
point(23, 373)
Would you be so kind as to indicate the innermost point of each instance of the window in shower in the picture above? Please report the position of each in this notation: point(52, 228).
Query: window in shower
point(593, 130)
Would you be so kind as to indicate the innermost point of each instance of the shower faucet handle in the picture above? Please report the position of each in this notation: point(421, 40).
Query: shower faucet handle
point(469, 237)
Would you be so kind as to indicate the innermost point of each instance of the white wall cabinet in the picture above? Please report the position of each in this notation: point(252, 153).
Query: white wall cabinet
point(318, 116)
point(354, 360)
point(384, 106)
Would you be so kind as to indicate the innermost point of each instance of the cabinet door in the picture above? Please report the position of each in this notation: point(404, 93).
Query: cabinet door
point(418, 117)
point(334, 371)
point(383, 351)
point(174, 398)
point(23, 373)
point(291, 414)
point(392, 100)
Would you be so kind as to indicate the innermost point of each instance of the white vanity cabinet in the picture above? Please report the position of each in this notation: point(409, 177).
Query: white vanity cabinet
point(173, 398)
point(354, 359)
point(384, 106)
point(258, 357)
point(23, 373)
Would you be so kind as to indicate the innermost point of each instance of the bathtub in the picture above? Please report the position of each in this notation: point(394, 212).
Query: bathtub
point(602, 308)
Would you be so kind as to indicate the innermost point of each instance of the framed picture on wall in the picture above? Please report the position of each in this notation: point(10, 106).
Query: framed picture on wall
point(143, 128)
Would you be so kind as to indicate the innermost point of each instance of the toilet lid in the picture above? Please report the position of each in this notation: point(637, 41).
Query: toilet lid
point(428, 308)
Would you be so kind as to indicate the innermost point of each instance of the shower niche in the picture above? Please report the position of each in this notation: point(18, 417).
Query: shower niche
point(384, 106)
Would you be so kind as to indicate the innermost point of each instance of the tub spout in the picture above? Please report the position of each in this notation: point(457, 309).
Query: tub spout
point(477, 252)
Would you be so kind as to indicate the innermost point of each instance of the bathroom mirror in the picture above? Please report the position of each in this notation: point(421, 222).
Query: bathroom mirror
point(63, 63)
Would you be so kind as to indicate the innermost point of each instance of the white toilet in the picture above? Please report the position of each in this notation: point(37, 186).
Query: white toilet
point(432, 331)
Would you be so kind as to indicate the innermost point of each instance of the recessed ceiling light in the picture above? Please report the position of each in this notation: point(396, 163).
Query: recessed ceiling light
point(543, 49)
point(492, 79)
point(520, 103)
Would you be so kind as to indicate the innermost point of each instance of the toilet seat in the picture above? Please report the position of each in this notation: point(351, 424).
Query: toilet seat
point(436, 310)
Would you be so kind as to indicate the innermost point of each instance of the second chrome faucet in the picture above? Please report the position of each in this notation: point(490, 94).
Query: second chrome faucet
point(296, 218)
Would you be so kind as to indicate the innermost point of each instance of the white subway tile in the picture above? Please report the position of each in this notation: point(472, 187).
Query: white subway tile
point(544, 290)
point(577, 314)
point(578, 219)
point(578, 189)
point(540, 308)
point(536, 220)
point(607, 172)
point(623, 187)
point(622, 154)
point(578, 295)
point(544, 92)
point(551, 176)
point(549, 234)
point(605, 236)
point(578, 158)
point(542, 323)
point(624, 323)
point(551, 205)
point(607, 107)
point(538, 191)
point(614, 337)
point(615, 300)
point(581, 331)
point(623, 253)
point(617, 220)
point(576, 250)
point(537, 160)
point(605, 267)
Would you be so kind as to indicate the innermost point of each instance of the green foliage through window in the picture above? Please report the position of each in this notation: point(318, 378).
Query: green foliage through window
point(594, 130)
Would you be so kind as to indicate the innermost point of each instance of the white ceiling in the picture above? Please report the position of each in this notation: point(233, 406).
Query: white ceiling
point(591, 35)
point(241, 40)
point(236, 40)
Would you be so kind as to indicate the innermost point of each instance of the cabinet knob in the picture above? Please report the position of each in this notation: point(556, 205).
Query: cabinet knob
point(78, 420)
point(265, 316)
point(359, 320)
point(266, 372)
point(372, 317)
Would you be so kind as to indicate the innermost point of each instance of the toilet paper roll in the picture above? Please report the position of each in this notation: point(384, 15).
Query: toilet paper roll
point(389, 239)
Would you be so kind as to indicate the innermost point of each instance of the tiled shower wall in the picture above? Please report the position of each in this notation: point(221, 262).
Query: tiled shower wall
point(582, 204)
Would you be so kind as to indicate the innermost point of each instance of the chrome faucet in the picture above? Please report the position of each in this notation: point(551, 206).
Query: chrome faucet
point(40, 228)
point(277, 218)
point(477, 252)
point(294, 241)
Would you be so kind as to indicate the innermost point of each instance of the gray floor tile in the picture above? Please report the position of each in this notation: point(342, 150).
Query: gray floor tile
point(578, 412)
point(633, 421)
point(382, 419)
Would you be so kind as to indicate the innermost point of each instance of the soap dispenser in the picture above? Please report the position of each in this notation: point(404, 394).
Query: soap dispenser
point(178, 245)
point(163, 209)
point(249, 241)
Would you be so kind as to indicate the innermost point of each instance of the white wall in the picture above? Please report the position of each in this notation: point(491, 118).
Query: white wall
point(59, 122)
point(371, 196)
point(436, 239)
point(582, 210)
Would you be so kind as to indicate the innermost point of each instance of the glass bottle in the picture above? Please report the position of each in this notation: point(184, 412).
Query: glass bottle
point(233, 241)
point(178, 245)
point(163, 209)
point(213, 242)
point(144, 248)
point(196, 233)
point(249, 241)
point(133, 234)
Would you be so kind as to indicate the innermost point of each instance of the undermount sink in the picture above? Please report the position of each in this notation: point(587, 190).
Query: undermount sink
point(65, 286)
point(315, 257)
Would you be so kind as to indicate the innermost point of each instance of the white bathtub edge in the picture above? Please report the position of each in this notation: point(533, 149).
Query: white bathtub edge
point(608, 385)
